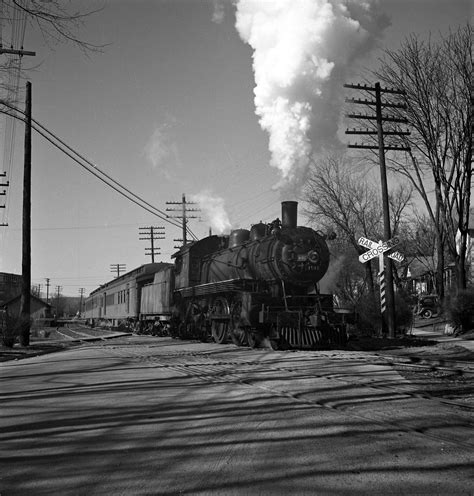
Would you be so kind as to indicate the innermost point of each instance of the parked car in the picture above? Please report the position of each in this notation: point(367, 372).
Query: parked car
point(427, 306)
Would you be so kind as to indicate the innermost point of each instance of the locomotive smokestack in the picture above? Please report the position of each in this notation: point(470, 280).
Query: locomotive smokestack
point(289, 214)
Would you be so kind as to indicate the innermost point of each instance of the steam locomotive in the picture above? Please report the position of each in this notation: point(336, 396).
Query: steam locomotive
point(253, 286)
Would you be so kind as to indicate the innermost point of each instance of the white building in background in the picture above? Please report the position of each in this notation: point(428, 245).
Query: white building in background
point(449, 273)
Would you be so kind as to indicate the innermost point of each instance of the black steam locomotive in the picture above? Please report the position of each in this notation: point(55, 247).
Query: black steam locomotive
point(253, 286)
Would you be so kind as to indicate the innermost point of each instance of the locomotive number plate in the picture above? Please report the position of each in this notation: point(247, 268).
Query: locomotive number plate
point(302, 258)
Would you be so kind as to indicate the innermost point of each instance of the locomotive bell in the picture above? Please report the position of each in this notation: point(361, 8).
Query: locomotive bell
point(289, 214)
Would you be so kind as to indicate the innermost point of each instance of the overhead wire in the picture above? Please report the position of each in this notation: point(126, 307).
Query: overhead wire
point(94, 170)
point(13, 69)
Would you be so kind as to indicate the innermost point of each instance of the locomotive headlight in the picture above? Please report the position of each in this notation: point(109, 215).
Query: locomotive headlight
point(313, 257)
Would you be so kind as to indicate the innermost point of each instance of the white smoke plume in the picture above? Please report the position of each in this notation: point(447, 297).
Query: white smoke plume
point(162, 151)
point(158, 147)
point(328, 284)
point(302, 51)
point(213, 211)
point(218, 13)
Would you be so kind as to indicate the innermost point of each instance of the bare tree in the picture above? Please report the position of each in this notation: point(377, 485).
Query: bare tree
point(336, 197)
point(52, 18)
point(437, 78)
point(340, 198)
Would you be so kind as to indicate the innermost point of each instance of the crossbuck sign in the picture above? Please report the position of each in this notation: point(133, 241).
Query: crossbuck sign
point(376, 249)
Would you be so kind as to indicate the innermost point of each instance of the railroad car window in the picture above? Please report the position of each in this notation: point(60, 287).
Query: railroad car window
point(178, 264)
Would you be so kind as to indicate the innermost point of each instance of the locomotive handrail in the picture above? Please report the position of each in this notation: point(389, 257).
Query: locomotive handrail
point(214, 287)
point(284, 295)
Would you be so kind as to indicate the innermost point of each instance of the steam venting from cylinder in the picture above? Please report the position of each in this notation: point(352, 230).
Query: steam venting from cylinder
point(289, 214)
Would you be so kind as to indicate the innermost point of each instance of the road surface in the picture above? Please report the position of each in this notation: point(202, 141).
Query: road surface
point(155, 416)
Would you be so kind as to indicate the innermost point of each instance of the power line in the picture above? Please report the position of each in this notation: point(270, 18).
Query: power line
point(96, 171)
point(13, 69)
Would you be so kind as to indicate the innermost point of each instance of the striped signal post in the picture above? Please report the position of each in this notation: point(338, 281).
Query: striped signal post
point(378, 250)
point(383, 303)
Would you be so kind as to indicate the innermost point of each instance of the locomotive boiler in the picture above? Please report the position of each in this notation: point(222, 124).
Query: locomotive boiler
point(255, 285)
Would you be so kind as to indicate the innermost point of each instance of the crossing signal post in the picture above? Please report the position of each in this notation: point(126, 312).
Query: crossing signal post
point(379, 250)
point(379, 118)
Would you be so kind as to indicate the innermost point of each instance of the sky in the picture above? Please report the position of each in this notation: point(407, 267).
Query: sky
point(220, 101)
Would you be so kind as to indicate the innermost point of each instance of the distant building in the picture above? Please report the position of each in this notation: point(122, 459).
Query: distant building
point(10, 286)
point(421, 274)
point(449, 275)
point(39, 309)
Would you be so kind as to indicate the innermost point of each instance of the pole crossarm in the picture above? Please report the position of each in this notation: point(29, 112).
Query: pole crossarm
point(16, 52)
point(365, 87)
point(184, 214)
point(386, 275)
point(386, 118)
point(374, 132)
point(117, 268)
point(371, 102)
point(151, 233)
point(375, 147)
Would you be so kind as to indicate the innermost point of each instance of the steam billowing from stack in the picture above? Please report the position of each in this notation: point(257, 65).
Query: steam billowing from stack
point(213, 211)
point(302, 50)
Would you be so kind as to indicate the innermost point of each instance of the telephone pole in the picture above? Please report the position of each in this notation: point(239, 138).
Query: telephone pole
point(37, 290)
point(388, 312)
point(183, 216)
point(24, 303)
point(58, 294)
point(118, 268)
point(151, 234)
point(4, 192)
point(47, 290)
point(26, 228)
point(81, 292)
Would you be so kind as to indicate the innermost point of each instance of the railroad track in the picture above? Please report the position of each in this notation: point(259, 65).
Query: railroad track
point(260, 374)
point(81, 333)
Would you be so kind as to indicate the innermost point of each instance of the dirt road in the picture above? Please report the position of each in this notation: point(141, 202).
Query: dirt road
point(154, 416)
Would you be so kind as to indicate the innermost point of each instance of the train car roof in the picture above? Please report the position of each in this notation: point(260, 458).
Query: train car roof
point(142, 270)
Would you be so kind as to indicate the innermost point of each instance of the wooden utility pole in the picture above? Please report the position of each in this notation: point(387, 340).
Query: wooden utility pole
point(81, 292)
point(3, 193)
point(151, 234)
point(118, 268)
point(26, 229)
point(21, 53)
point(379, 118)
point(47, 289)
point(183, 216)
point(58, 294)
